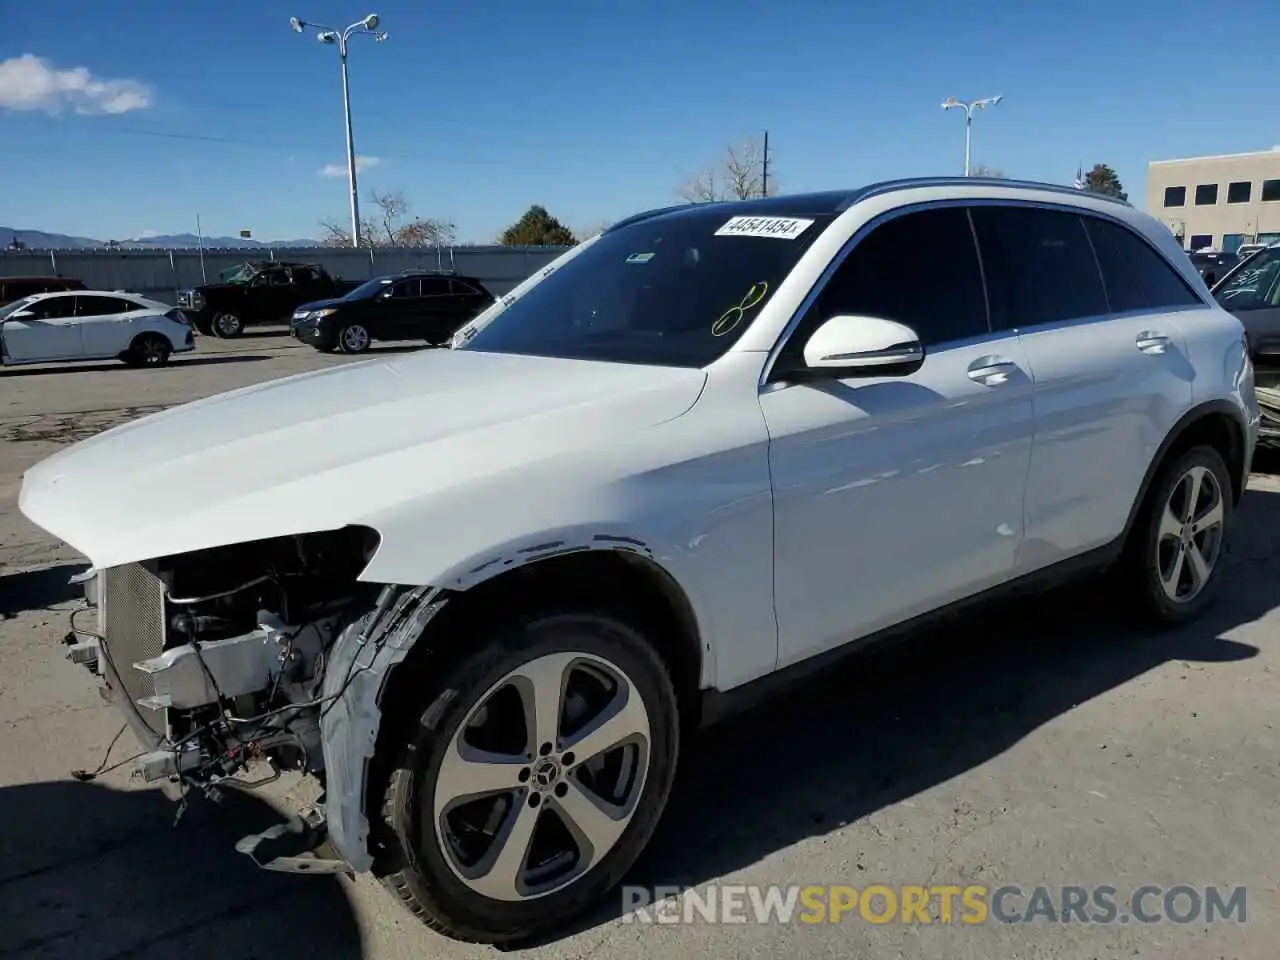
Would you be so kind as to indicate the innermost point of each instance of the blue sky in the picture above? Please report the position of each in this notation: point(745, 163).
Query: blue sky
point(594, 109)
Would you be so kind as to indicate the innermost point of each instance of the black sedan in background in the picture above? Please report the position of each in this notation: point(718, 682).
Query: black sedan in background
point(415, 305)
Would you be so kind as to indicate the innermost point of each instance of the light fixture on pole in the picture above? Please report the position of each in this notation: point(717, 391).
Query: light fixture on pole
point(969, 106)
point(328, 35)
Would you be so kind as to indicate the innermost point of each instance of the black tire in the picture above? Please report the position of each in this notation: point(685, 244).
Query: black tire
point(1140, 574)
point(149, 350)
point(413, 865)
point(354, 338)
point(227, 326)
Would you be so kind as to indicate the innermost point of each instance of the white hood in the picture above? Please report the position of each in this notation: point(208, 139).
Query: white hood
point(335, 447)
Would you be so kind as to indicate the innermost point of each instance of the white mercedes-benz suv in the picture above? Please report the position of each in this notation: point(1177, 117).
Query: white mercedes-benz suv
point(481, 592)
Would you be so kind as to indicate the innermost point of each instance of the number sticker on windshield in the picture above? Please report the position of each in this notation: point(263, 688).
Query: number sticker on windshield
point(783, 228)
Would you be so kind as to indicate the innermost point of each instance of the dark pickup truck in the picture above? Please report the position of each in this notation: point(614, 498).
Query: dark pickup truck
point(262, 292)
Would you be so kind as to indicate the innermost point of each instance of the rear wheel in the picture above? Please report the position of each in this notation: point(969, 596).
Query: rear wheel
point(534, 778)
point(1176, 547)
point(149, 350)
point(227, 325)
point(354, 338)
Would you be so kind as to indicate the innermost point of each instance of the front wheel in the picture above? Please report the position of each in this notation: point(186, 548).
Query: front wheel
point(149, 350)
point(1175, 550)
point(227, 325)
point(354, 338)
point(534, 778)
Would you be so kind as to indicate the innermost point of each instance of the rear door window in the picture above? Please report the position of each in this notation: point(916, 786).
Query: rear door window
point(101, 306)
point(1039, 266)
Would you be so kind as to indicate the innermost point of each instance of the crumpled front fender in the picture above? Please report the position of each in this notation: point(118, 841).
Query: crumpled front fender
point(359, 663)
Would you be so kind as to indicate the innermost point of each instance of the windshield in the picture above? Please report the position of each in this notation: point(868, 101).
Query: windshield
point(15, 306)
point(1255, 285)
point(367, 289)
point(676, 290)
point(241, 274)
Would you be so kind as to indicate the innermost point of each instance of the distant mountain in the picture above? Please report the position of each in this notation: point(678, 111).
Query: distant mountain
point(39, 240)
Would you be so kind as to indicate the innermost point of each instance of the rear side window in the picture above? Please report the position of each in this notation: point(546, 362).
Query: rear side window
point(1137, 277)
point(1039, 266)
point(920, 269)
point(435, 287)
point(101, 306)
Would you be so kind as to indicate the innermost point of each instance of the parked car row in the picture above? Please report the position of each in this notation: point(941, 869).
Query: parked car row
point(56, 319)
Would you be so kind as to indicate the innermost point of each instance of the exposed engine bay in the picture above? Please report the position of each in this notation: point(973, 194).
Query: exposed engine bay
point(218, 657)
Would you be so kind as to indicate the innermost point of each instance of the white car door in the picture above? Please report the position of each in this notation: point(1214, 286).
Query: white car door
point(895, 495)
point(106, 324)
point(44, 330)
point(1112, 376)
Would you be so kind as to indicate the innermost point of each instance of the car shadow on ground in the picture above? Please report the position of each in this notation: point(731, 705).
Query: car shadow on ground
point(88, 871)
point(114, 366)
point(895, 721)
point(39, 589)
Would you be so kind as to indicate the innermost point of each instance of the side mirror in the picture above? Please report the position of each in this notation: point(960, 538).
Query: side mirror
point(21, 315)
point(861, 346)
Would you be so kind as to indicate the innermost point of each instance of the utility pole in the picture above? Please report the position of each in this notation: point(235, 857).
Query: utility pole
point(764, 171)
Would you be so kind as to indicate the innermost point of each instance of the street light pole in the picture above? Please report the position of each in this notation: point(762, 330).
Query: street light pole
point(969, 106)
point(329, 35)
point(351, 147)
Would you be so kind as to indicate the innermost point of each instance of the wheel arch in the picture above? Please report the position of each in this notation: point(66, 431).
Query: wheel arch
point(1216, 423)
point(616, 578)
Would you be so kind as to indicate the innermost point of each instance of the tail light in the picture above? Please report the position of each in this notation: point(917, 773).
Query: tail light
point(177, 316)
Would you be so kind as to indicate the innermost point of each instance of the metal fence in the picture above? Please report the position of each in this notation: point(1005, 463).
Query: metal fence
point(161, 273)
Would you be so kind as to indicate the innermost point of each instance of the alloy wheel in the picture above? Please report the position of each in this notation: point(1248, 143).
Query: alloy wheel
point(154, 351)
point(1190, 537)
point(226, 325)
point(542, 777)
point(355, 338)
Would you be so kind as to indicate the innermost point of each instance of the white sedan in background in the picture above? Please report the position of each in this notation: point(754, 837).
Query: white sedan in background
point(92, 325)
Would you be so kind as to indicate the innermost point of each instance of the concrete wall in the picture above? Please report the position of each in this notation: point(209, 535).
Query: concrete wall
point(161, 273)
point(1226, 223)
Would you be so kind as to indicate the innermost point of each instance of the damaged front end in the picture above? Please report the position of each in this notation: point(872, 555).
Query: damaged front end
point(228, 662)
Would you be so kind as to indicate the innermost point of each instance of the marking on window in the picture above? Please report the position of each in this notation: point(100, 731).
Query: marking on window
point(730, 319)
point(782, 228)
point(640, 258)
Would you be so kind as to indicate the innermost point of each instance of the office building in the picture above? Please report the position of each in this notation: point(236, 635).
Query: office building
point(1218, 202)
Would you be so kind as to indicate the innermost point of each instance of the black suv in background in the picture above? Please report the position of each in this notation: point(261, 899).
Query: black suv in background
point(415, 305)
point(265, 291)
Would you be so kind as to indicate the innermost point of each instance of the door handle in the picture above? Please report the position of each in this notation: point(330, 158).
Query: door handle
point(1149, 341)
point(991, 371)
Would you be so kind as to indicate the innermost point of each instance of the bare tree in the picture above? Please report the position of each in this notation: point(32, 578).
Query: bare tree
point(392, 207)
point(982, 170)
point(739, 175)
point(388, 227)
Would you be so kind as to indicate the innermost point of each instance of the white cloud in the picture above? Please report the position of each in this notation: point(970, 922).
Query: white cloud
point(148, 234)
point(340, 169)
point(29, 82)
